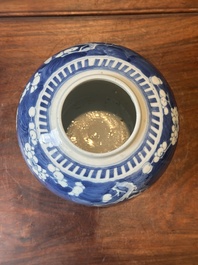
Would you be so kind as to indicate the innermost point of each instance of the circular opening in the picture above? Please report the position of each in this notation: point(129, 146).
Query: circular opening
point(98, 116)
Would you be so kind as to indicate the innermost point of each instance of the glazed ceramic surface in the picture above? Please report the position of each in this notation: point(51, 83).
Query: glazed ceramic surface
point(113, 163)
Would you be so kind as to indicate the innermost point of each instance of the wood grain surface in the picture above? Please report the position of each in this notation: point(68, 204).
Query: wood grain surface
point(158, 227)
point(77, 7)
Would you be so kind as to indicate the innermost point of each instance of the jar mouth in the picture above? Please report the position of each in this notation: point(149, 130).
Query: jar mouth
point(77, 102)
point(99, 116)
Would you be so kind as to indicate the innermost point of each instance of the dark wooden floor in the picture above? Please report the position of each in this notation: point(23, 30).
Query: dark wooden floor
point(158, 227)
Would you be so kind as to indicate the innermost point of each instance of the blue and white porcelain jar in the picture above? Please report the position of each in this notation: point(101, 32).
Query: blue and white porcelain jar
point(97, 124)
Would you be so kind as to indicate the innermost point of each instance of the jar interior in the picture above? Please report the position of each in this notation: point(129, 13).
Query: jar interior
point(98, 116)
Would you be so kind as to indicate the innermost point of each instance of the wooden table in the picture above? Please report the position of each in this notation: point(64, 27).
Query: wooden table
point(158, 227)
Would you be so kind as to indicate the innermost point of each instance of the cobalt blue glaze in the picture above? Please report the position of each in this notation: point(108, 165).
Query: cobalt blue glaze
point(83, 182)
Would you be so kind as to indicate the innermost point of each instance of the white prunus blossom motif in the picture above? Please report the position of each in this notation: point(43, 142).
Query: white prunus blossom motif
point(160, 152)
point(175, 126)
point(29, 148)
point(32, 160)
point(147, 168)
point(34, 83)
point(166, 106)
point(156, 80)
point(42, 174)
point(77, 189)
point(32, 128)
point(65, 52)
point(122, 191)
point(31, 86)
point(71, 50)
point(58, 175)
point(30, 154)
point(164, 101)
